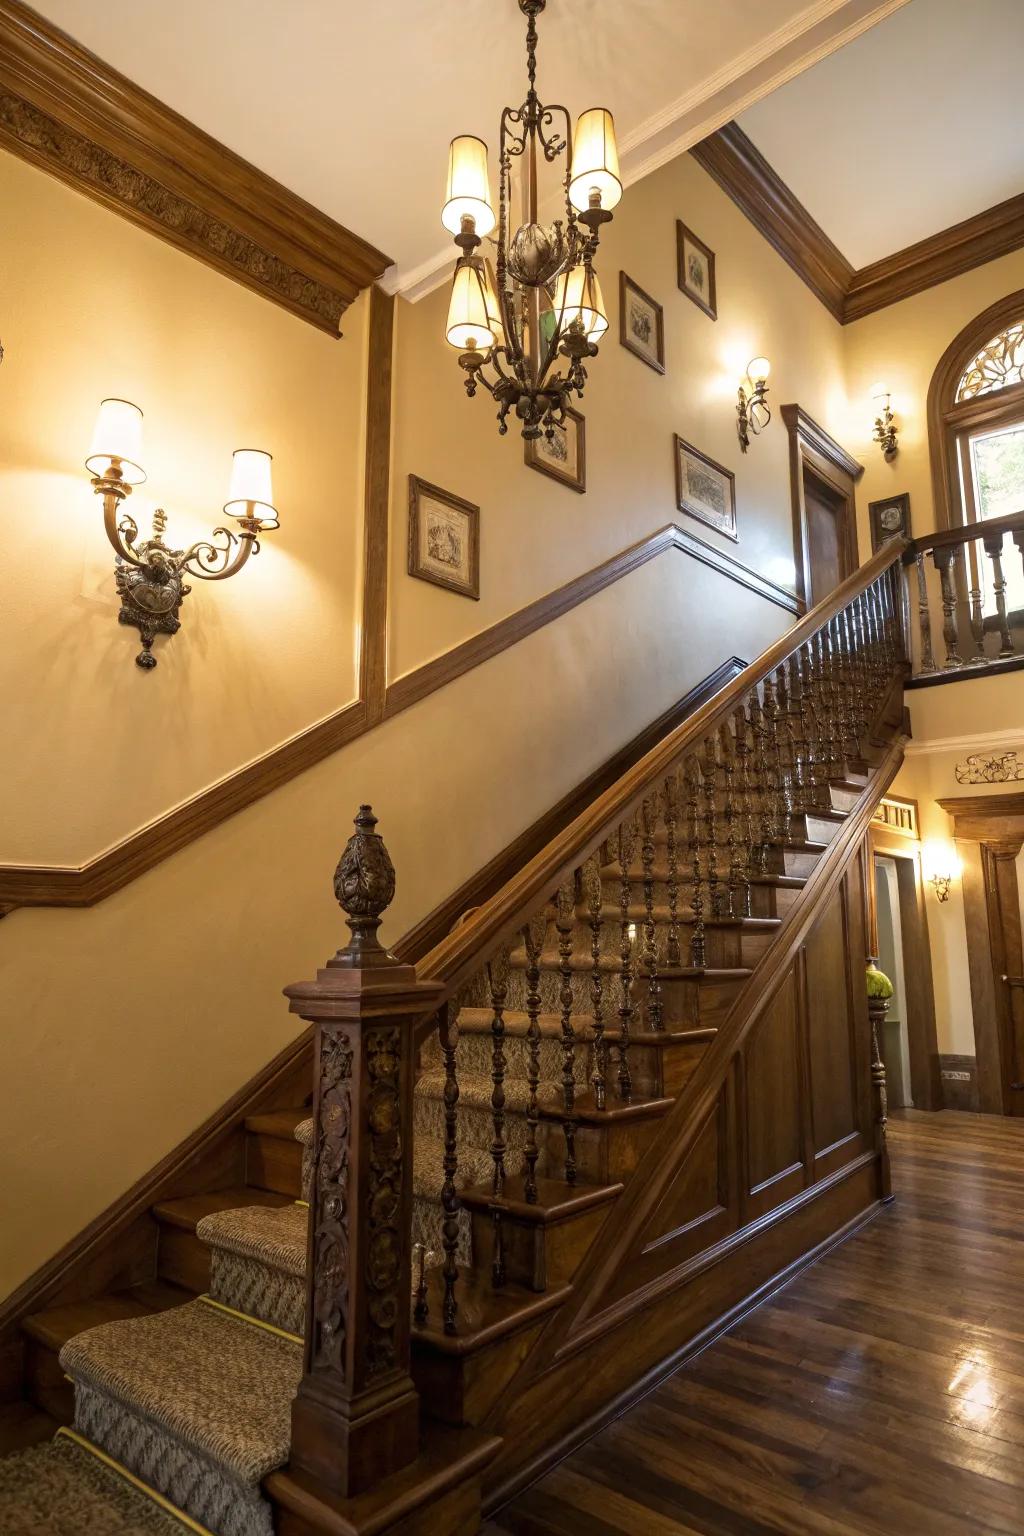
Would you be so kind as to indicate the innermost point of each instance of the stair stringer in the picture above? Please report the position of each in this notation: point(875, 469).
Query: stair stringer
point(697, 1238)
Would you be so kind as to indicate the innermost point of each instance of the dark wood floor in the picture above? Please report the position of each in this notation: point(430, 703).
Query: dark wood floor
point(881, 1392)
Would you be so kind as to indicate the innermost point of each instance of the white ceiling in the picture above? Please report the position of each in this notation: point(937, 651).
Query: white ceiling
point(905, 131)
point(352, 106)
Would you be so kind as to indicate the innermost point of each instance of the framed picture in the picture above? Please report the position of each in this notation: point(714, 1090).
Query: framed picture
point(696, 264)
point(889, 519)
point(563, 456)
point(641, 324)
point(444, 538)
point(705, 490)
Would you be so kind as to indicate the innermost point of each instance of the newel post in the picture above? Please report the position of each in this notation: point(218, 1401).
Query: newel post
point(878, 1007)
point(355, 1417)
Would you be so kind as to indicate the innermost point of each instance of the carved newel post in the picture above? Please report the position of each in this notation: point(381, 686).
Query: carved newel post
point(355, 1417)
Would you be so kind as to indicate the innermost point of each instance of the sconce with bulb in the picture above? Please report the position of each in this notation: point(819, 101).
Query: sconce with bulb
point(752, 410)
point(885, 434)
point(149, 574)
point(941, 884)
point(940, 866)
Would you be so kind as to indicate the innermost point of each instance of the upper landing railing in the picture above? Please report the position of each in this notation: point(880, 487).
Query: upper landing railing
point(974, 591)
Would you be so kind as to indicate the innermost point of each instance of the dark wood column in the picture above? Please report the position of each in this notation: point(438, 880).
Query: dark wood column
point(355, 1419)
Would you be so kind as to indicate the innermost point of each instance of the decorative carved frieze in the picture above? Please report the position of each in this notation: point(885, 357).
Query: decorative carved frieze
point(979, 769)
point(331, 1236)
point(384, 1244)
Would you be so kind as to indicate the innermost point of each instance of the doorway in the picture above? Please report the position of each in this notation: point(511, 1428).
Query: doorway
point(823, 478)
point(895, 1041)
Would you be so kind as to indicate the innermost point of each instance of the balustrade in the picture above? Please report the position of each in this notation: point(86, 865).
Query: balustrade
point(973, 600)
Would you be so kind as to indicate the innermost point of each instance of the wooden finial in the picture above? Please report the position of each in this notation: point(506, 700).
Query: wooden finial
point(364, 884)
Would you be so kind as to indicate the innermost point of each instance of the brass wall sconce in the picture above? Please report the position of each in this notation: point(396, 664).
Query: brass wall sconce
point(150, 575)
point(752, 410)
point(885, 423)
point(941, 884)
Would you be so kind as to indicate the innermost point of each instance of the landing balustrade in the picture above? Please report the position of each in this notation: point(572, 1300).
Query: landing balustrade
point(965, 623)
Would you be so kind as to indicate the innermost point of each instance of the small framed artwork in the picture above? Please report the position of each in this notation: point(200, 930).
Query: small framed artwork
point(705, 490)
point(696, 266)
point(641, 324)
point(444, 538)
point(890, 519)
point(563, 455)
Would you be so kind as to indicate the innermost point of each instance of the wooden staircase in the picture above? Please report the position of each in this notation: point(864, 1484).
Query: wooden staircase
point(623, 1098)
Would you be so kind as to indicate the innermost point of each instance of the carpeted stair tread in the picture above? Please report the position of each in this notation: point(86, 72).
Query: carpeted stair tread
point(55, 1325)
point(271, 1235)
point(187, 1211)
point(277, 1122)
point(476, 1166)
point(304, 1132)
point(475, 1090)
point(61, 1489)
point(219, 1386)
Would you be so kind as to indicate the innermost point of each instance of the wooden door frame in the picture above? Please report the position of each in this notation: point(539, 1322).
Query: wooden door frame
point(922, 1034)
point(986, 828)
point(813, 451)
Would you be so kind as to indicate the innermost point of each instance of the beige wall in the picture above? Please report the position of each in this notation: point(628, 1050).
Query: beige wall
point(902, 345)
point(94, 307)
point(536, 534)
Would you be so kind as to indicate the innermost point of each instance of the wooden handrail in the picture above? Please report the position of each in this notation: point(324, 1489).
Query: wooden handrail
point(1013, 522)
point(455, 959)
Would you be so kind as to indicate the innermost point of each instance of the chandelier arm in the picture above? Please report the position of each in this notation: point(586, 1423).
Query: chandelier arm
point(122, 532)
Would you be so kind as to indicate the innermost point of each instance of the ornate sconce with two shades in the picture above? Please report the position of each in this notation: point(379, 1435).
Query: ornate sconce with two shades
point(150, 575)
point(885, 434)
point(753, 412)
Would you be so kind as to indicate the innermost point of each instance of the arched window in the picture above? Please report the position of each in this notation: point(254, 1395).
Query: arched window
point(976, 418)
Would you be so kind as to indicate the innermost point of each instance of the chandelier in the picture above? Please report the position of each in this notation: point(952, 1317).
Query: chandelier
point(525, 331)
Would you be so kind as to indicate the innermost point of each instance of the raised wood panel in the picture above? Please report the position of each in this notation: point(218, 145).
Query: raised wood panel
point(830, 1032)
point(698, 1208)
point(771, 1104)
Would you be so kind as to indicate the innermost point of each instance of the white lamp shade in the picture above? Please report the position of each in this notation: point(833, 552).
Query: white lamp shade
point(469, 324)
point(493, 307)
point(595, 161)
point(758, 370)
point(117, 440)
point(578, 296)
point(251, 492)
point(468, 192)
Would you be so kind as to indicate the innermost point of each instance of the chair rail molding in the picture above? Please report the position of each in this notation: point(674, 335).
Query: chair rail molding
point(65, 110)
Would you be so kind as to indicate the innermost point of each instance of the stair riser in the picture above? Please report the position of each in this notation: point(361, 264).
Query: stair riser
point(476, 1053)
point(464, 1389)
point(817, 829)
point(183, 1259)
point(605, 1154)
point(535, 1255)
point(45, 1383)
point(258, 1290)
point(273, 1163)
point(772, 900)
point(663, 1071)
point(782, 859)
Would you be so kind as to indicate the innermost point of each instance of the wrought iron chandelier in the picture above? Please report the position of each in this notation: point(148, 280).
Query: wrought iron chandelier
point(525, 333)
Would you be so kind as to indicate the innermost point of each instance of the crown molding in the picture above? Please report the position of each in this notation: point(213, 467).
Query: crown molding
point(817, 31)
point(977, 740)
point(68, 112)
point(849, 292)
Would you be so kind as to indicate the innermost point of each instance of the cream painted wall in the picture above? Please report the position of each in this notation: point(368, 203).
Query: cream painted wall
point(902, 345)
point(136, 1018)
point(92, 307)
point(536, 534)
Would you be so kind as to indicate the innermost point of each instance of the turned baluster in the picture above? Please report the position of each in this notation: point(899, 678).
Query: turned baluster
point(593, 896)
point(797, 745)
point(924, 617)
point(853, 698)
point(737, 899)
point(709, 769)
point(809, 731)
point(533, 938)
point(698, 949)
point(448, 1034)
point(497, 981)
point(626, 849)
point(943, 560)
point(648, 823)
point(994, 549)
point(762, 806)
point(672, 806)
point(355, 1417)
point(1018, 539)
point(775, 819)
point(877, 1009)
point(975, 610)
point(744, 803)
point(565, 923)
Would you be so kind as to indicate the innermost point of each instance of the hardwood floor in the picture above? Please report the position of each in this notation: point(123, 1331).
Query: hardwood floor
point(881, 1392)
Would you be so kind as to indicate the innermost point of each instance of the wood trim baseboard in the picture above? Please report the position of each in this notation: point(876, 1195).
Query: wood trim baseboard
point(67, 111)
point(54, 886)
point(849, 292)
point(373, 645)
point(273, 1086)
